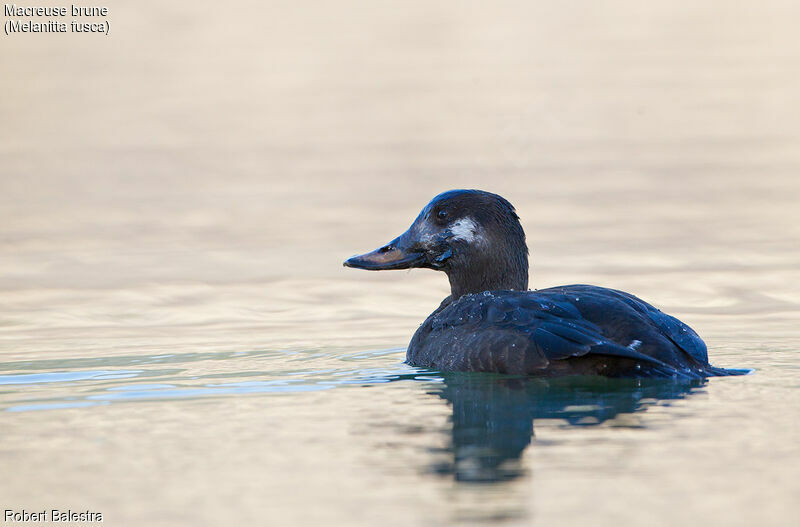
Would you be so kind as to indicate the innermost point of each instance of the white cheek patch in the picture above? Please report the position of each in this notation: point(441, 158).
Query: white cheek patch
point(465, 229)
point(425, 235)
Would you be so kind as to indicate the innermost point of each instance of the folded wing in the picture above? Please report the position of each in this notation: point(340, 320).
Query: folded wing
point(522, 333)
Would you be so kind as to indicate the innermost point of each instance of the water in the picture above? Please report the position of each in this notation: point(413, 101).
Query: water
point(179, 344)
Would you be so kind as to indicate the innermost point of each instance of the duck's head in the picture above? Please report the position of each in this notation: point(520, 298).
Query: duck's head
point(473, 236)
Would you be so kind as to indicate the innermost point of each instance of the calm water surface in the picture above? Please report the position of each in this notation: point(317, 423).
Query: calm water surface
point(179, 344)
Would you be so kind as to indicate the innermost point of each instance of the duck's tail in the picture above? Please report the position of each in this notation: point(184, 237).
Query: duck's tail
point(692, 373)
point(713, 371)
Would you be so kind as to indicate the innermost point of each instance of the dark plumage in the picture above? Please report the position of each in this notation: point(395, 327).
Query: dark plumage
point(492, 323)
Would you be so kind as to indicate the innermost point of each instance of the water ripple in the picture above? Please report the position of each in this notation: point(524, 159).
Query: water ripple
point(56, 390)
point(67, 376)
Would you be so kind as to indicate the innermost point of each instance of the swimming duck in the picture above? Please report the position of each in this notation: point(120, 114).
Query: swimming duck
point(491, 322)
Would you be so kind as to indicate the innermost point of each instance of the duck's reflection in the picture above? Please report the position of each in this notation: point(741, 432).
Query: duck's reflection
point(493, 415)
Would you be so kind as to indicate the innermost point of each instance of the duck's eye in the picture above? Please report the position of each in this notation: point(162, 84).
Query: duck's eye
point(442, 214)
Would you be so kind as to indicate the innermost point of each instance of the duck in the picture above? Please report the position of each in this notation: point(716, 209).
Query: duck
point(491, 322)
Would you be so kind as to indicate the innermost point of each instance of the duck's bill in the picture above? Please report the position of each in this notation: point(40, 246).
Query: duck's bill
point(387, 257)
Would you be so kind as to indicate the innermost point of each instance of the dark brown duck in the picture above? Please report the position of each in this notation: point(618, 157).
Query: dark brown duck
point(491, 322)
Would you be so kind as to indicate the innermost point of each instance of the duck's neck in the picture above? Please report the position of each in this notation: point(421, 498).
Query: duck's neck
point(488, 274)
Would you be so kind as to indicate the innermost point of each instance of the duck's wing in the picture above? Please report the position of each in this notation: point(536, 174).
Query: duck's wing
point(522, 333)
point(598, 303)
